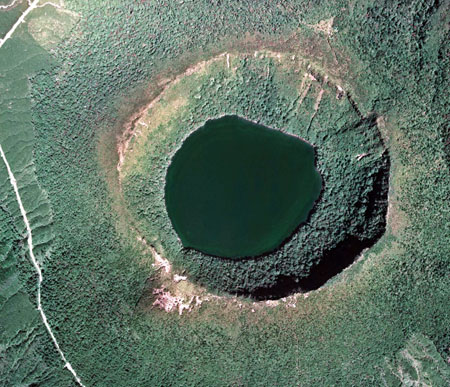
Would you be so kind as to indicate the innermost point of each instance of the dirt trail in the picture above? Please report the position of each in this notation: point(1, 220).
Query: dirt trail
point(36, 266)
point(10, 5)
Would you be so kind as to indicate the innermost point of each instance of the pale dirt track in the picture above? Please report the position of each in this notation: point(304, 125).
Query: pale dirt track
point(36, 266)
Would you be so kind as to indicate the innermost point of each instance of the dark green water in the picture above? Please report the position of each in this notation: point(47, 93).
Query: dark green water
point(238, 189)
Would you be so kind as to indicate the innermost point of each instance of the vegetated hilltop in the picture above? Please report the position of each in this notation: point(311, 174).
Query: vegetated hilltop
point(277, 90)
point(384, 320)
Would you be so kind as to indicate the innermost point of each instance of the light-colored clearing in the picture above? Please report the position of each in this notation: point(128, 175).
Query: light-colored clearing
point(325, 26)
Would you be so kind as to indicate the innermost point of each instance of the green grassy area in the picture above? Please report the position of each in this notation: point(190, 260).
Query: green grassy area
point(61, 111)
point(27, 355)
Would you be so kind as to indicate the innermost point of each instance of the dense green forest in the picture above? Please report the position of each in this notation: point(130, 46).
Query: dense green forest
point(366, 82)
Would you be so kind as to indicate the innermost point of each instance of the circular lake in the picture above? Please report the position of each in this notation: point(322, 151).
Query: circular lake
point(238, 189)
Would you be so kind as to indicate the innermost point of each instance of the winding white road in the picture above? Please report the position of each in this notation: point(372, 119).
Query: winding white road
point(22, 17)
point(8, 5)
point(36, 266)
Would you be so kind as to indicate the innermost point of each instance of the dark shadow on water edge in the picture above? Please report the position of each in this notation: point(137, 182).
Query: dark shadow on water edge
point(333, 262)
point(343, 255)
